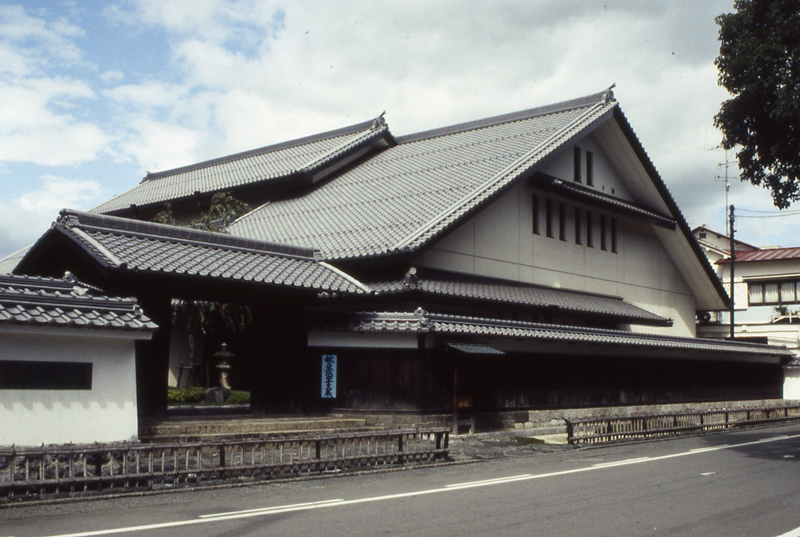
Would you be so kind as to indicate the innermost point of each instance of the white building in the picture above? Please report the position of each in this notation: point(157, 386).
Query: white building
point(67, 367)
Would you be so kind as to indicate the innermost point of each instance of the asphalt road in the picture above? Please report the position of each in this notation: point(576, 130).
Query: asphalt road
point(745, 483)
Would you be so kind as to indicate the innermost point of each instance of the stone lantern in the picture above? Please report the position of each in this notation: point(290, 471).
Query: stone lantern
point(221, 393)
point(224, 366)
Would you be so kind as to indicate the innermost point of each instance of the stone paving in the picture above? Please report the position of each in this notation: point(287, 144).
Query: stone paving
point(504, 444)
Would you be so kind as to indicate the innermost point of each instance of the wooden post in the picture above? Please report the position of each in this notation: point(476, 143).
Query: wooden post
point(455, 398)
point(152, 359)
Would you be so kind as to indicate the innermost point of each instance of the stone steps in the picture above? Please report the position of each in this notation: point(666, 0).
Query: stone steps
point(243, 427)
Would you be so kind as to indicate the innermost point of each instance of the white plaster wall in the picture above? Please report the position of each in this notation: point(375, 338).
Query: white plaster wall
point(791, 384)
point(499, 242)
point(106, 413)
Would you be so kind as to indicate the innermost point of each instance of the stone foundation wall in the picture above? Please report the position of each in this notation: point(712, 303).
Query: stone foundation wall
point(551, 421)
point(398, 420)
point(548, 421)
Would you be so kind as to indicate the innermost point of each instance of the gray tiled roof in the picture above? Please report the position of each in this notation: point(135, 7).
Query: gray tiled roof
point(422, 321)
point(34, 301)
point(433, 282)
point(7, 264)
point(131, 245)
point(269, 164)
point(407, 195)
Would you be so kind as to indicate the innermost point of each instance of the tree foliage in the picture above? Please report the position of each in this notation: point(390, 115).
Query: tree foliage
point(211, 316)
point(223, 209)
point(759, 65)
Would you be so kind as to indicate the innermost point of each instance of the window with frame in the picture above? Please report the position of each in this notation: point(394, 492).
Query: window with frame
point(548, 218)
point(43, 375)
point(578, 226)
point(562, 222)
point(576, 157)
point(535, 214)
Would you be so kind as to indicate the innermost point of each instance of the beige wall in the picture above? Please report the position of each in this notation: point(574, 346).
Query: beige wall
point(791, 384)
point(106, 413)
point(499, 242)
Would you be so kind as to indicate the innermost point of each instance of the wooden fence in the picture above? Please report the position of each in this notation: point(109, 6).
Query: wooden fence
point(77, 468)
point(610, 429)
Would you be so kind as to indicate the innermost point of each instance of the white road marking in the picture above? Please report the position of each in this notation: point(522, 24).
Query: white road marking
point(205, 519)
point(701, 449)
point(489, 481)
point(791, 533)
point(278, 509)
point(619, 463)
point(708, 473)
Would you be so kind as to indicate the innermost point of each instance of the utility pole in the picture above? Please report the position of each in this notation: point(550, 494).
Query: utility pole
point(733, 265)
point(727, 187)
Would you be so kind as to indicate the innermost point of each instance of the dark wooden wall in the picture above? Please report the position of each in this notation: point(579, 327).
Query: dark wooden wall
point(384, 379)
point(517, 381)
point(422, 381)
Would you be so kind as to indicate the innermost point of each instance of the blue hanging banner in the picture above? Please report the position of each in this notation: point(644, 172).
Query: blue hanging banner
point(328, 376)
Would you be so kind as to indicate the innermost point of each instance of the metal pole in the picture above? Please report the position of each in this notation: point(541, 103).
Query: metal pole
point(733, 265)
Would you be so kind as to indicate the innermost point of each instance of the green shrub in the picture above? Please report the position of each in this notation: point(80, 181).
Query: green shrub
point(183, 396)
point(238, 398)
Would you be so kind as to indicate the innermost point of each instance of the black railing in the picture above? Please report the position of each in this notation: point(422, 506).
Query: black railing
point(611, 429)
point(77, 468)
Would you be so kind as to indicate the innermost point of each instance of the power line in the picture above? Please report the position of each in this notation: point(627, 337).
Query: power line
point(769, 215)
point(774, 213)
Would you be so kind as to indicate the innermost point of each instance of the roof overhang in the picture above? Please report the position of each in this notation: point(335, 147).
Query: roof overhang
point(488, 293)
point(138, 258)
point(538, 338)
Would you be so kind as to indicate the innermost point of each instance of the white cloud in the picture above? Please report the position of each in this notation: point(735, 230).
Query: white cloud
point(246, 73)
point(34, 126)
point(110, 77)
point(38, 41)
point(24, 219)
point(158, 145)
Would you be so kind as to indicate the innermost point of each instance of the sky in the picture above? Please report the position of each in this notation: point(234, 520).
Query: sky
point(95, 94)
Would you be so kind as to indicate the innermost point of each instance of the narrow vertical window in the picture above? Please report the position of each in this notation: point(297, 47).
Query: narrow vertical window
point(578, 228)
point(576, 155)
point(535, 212)
point(589, 168)
point(603, 245)
point(548, 218)
point(562, 222)
point(614, 235)
point(589, 237)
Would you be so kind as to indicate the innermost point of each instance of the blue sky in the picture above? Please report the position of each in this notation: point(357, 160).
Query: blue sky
point(95, 94)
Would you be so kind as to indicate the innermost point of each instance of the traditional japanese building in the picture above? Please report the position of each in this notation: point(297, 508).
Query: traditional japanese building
point(525, 261)
point(67, 365)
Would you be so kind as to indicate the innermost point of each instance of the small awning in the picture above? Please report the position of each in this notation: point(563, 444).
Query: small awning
point(473, 348)
point(601, 200)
